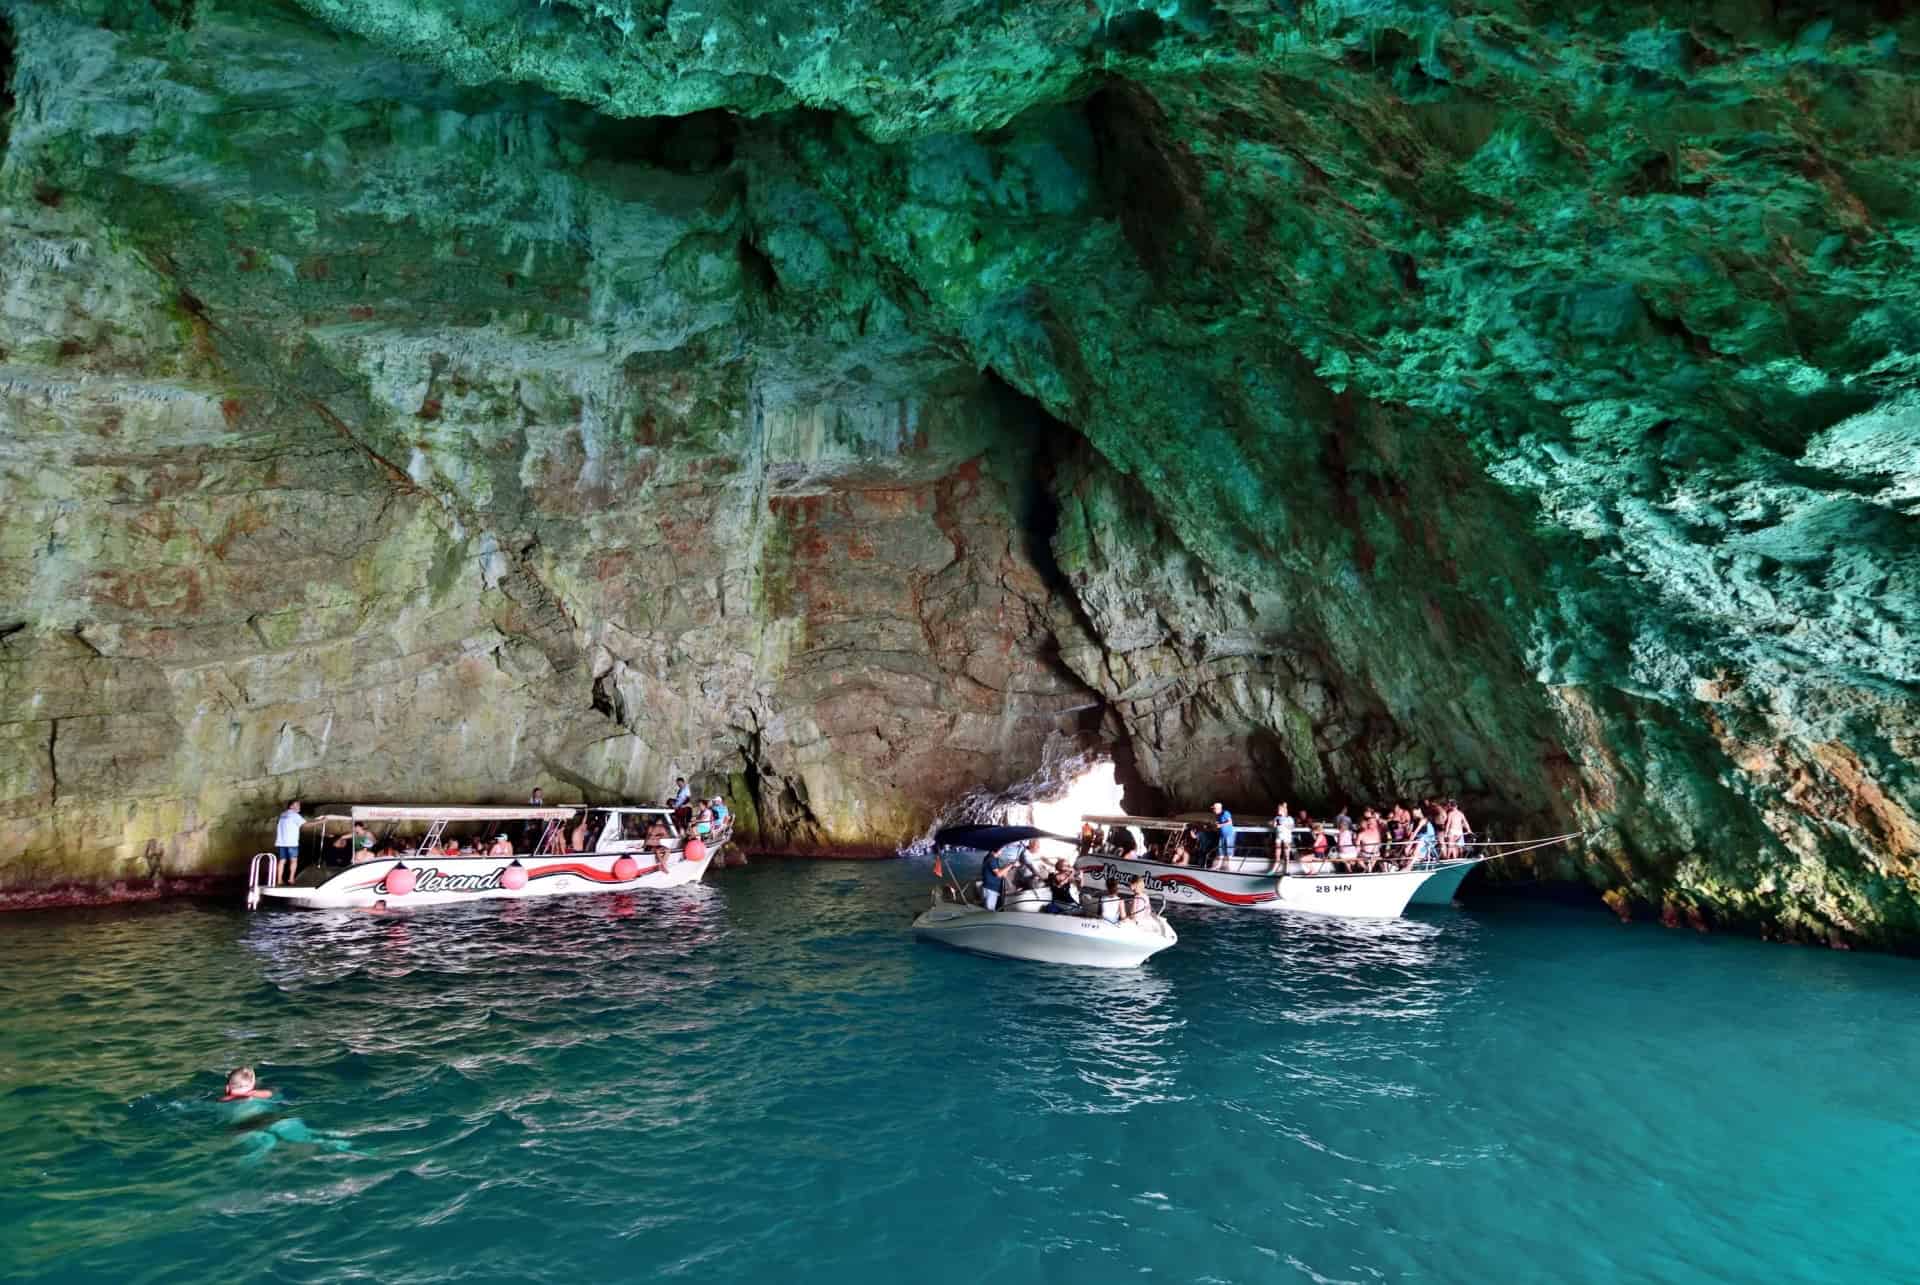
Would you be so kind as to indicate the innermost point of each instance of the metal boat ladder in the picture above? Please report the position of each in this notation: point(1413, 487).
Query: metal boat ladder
point(255, 882)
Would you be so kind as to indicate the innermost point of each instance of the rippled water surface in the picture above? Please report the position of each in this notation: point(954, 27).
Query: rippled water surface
point(767, 1079)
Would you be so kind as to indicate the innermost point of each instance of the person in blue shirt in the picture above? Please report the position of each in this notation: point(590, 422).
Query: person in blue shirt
point(719, 810)
point(681, 794)
point(992, 877)
point(286, 843)
point(1224, 820)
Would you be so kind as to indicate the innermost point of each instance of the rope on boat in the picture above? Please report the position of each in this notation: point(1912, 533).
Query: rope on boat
point(1512, 847)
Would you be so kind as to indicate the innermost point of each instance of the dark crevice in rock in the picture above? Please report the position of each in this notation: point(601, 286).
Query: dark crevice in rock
point(1150, 184)
point(697, 144)
point(6, 83)
point(757, 274)
point(608, 700)
point(1037, 510)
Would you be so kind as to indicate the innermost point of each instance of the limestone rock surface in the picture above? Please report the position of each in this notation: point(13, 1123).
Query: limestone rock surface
point(834, 401)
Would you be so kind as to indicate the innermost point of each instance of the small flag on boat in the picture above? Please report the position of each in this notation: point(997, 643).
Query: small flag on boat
point(937, 872)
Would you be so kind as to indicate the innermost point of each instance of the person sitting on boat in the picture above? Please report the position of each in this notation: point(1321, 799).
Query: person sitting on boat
point(1178, 854)
point(1136, 906)
point(1223, 822)
point(720, 813)
point(1370, 838)
point(657, 836)
point(1064, 888)
point(993, 881)
point(1110, 902)
point(354, 841)
point(1314, 860)
point(502, 846)
point(286, 842)
point(703, 821)
point(1347, 848)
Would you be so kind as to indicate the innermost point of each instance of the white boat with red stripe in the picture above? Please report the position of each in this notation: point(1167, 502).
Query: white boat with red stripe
point(546, 852)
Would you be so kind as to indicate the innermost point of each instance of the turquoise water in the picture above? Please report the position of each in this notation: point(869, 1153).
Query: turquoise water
point(767, 1079)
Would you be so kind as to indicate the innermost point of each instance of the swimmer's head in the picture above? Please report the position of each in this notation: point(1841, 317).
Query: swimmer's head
point(241, 1082)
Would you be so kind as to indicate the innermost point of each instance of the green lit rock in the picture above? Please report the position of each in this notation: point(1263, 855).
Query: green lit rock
point(839, 400)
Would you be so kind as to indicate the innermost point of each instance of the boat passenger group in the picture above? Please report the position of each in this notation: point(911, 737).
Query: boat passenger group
point(703, 818)
point(1002, 874)
point(1395, 838)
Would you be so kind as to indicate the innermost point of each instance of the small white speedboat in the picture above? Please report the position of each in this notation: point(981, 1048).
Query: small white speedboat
point(1023, 931)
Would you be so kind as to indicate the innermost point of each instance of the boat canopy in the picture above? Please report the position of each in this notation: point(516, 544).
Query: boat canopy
point(415, 812)
point(1145, 823)
point(1173, 823)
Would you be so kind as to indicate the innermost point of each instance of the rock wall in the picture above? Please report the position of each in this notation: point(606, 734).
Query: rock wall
point(834, 404)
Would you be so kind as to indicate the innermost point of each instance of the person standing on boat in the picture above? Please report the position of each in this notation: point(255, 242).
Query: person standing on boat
point(992, 881)
point(1223, 820)
point(532, 830)
point(286, 843)
point(1026, 869)
point(1423, 838)
point(1454, 829)
point(1282, 835)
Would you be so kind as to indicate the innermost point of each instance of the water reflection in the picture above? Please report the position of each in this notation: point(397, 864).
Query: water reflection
point(1094, 1041)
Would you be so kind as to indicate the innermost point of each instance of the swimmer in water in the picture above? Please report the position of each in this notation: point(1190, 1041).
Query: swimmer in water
point(259, 1135)
point(241, 1086)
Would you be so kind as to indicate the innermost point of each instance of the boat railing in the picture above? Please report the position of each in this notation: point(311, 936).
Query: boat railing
point(1262, 857)
point(254, 879)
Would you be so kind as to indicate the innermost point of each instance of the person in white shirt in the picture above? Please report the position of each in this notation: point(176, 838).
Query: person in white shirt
point(286, 843)
point(681, 794)
point(1282, 836)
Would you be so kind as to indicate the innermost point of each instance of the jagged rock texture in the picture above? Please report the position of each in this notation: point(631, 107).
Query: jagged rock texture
point(835, 401)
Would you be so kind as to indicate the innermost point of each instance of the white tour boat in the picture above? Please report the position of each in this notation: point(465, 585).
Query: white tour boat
point(1249, 880)
point(1020, 929)
point(556, 851)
